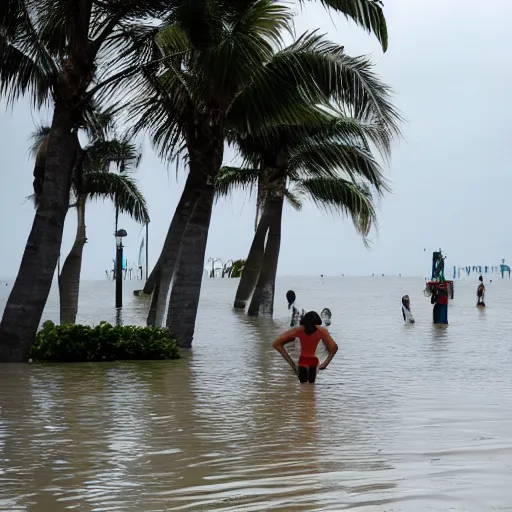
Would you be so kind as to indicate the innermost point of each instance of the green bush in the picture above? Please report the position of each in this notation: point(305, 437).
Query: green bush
point(237, 268)
point(103, 342)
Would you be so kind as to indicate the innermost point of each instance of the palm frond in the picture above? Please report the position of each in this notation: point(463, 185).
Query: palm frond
point(58, 25)
point(344, 197)
point(26, 67)
point(100, 154)
point(338, 125)
point(293, 200)
point(161, 111)
point(231, 178)
point(38, 137)
point(368, 14)
point(21, 75)
point(245, 45)
point(131, 50)
point(173, 39)
point(38, 150)
point(317, 71)
point(322, 127)
point(121, 189)
point(34, 199)
point(330, 158)
point(9, 12)
point(96, 122)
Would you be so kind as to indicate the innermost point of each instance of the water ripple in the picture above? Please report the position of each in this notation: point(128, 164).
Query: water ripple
point(406, 418)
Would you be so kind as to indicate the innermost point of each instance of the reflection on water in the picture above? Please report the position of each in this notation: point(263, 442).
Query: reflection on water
point(406, 418)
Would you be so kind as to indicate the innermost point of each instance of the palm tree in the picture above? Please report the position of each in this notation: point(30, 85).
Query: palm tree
point(193, 105)
point(186, 110)
point(92, 179)
point(66, 53)
point(335, 148)
point(335, 194)
point(369, 15)
point(63, 54)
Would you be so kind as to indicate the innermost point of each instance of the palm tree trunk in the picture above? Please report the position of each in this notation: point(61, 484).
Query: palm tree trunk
point(151, 318)
point(260, 200)
point(69, 279)
point(164, 269)
point(253, 263)
point(263, 297)
point(151, 281)
point(205, 146)
point(186, 288)
point(22, 314)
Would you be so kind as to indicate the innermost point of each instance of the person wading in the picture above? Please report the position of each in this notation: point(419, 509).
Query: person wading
point(480, 292)
point(310, 334)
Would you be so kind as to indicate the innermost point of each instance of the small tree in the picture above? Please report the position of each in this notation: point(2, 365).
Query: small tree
point(92, 179)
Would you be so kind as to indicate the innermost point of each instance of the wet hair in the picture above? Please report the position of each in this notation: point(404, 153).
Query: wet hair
point(290, 297)
point(309, 321)
point(481, 279)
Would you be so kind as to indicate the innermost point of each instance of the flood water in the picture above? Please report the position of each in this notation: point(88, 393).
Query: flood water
point(406, 418)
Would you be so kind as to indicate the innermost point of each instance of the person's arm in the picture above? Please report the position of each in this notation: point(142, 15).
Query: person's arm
point(331, 345)
point(281, 342)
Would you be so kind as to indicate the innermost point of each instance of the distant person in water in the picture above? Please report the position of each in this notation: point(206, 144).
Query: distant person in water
point(310, 334)
point(298, 312)
point(406, 310)
point(326, 316)
point(480, 292)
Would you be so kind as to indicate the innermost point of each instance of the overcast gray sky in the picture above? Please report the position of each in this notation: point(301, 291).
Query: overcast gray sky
point(448, 62)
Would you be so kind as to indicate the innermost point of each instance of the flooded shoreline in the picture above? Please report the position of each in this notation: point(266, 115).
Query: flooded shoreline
point(406, 418)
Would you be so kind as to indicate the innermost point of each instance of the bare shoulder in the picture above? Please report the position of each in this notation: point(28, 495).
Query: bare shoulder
point(323, 331)
point(292, 333)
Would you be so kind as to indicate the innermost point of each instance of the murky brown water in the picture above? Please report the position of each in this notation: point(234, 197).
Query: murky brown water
point(405, 419)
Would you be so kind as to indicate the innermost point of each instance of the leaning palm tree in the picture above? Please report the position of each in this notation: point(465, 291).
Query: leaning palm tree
point(63, 54)
point(91, 180)
point(194, 104)
point(333, 146)
point(186, 110)
point(345, 196)
point(369, 15)
point(337, 195)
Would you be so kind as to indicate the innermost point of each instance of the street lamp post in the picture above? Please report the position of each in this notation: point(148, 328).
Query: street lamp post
point(120, 234)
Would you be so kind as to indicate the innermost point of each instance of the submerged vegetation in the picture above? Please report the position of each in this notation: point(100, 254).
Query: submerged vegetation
point(229, 269)
point(104, 342)
point(308, 121)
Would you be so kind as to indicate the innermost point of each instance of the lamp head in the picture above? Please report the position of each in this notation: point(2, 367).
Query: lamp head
point(120, 234)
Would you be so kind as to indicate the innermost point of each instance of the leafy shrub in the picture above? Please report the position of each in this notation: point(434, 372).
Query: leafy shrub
point(237, 268)
point(103, 342)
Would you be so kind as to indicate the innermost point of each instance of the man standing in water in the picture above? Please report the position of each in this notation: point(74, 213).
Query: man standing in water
point(480, 292)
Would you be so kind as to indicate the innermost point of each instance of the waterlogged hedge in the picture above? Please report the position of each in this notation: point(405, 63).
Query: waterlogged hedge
point(103, 342)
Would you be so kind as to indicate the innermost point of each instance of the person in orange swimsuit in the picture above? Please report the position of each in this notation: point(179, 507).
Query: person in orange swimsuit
point(310, 334)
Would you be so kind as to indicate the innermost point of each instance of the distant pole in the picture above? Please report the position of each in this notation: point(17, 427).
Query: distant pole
point(120, 234)
point(147, 250)
point(119, 276)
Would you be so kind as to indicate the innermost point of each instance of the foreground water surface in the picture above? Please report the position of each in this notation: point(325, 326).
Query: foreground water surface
point(406, 418)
